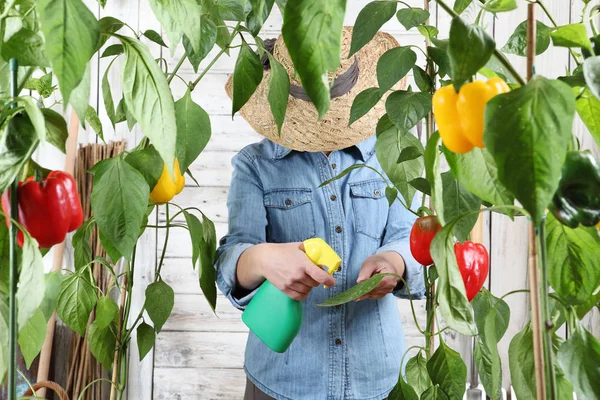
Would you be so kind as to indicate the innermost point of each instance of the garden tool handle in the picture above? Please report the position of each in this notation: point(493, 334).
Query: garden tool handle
point(322, 255)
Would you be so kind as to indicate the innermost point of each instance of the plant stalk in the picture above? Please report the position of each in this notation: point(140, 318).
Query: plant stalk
point(501, 58)
point(179, 64)
point(13, 272)
point(430, 312)
point(555, 25)
point(545, 308)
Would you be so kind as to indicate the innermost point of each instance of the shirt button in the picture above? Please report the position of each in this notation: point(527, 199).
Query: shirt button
point(333, 197)
point(339, 269)
point(377, 192)
point(338, 229)
point(333, 165)
point(338, 341)
point(288, 202)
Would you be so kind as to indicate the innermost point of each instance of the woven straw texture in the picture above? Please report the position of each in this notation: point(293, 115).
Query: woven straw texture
point(302, 131)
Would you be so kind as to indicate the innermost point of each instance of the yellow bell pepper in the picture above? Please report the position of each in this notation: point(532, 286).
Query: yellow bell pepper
point(459, 116)
point(166, 188)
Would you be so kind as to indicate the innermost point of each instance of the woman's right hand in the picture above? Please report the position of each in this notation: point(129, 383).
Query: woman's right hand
point(285, 265)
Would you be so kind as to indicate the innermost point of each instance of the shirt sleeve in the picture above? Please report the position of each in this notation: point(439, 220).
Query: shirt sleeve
point(247, 227)
point(396, 238)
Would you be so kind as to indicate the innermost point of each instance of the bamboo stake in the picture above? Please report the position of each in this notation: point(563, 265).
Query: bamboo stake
point(59, 250)
point(534, 279)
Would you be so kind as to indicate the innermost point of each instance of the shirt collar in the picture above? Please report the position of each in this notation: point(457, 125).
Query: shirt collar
point(366, 149)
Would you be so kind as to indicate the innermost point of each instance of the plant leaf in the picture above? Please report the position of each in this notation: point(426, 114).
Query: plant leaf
point(92, 118)
point(573, 261)
point(521, 362)
point(53, 283)
point(407, 108)
point(458, 201)
point(159, 303)
point(517, 43)
point(56, 129)
point(440, 57)
point(112, 50)
point(469, 49)
point(18, 140)
point(354, 292)
point(312, 30)
point(477, 172)
point(410, 153)
point(579, 357)
point(106, 311)
point(103, 342)
point(148, 98)
point(391, 194)
point(421, 184)
point(496, 6)
point(461, 5)
point(490, 370)
point(527, 131)
point(402, 391)
point(32, 281)
point(422, 80)
point(447, 369)
point(31, 337)
point(247, 75)
point(591, 72)
point(363, 103)
point(279, 91)
point(35, 116)
point(434, 393)
point(145, 339)
point(72, 33)
point(411, 17)
point(81, 244)
point(119, 198)
point(76, 301)
point(207, 42)
point(193, 130)
point(453, 303)
point(155, 37)
point(206, 270)
point(148, 163)
point(432, 173)
point(370, 19)
point(187, 17)
point(169, 25)
point(428, 31)
point(393, 65)
point(417, 375)
point(588, 108)
point(388, 148)
point(27, 47)
point(572, 35)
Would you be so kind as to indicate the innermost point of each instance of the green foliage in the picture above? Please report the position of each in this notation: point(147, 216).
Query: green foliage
point(247, 75)
point(591, 72)
point(411, 17)
point(279, 91)
point(406, 108)
point(496, 6)
point(148, 162)
point(148, 98)
point(572, 35)
point(432, 173)
point(417, 375)
point(103, 342)
point(106, 312)
point(155, 37)
point(422, 79)
point(517, 43)
point(71, 32)
point(448, 371)
point(573, 261)
point(355, 292)
point(76, 300)
point(159, 303)
point(527, 132)
point(588, 109)
point(259, 12)
point(27, 47)
point(31, 281)
point(119, 199)
point(145, 339)
point(80, 96)
point(364, 102)
point(469, 49)
point(18, 140)
point(82, 247)
point(370, 19)
point(31, 337)
point(402, 391)
point(428, 31)
point(193, 130)
point(461, 5)
point(393, 65)
point(435, 393)
point(458, 201)
point(388, 148)
point(312, 33)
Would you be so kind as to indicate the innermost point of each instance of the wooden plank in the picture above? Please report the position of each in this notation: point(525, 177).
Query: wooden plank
point(211, 200)
point(179, 239)
point(199, 384)
point(191, 313)
point(212, 168)
point(200, 349)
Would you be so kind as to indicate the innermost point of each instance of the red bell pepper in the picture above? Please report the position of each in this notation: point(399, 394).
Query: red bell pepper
point(47, 210)
point(473, 263)
point(421, 235)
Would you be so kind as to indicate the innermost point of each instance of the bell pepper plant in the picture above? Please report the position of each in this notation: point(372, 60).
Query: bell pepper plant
point(501, 145)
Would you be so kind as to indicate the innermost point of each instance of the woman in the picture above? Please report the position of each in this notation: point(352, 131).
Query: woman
point(351, 351)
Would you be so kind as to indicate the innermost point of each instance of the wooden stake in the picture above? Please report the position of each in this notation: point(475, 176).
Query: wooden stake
point(534, 279)
point(59, 250)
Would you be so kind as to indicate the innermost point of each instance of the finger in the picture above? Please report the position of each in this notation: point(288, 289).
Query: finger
point(295, 295)
point(366, 271)
point(300, 287)
point(309, 281)
point(319, 275)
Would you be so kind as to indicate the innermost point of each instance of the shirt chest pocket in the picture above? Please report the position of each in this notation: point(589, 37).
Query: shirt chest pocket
point(290, 215)
point(370, 207)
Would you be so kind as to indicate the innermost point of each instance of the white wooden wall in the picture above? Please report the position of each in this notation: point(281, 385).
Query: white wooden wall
point(200, 356)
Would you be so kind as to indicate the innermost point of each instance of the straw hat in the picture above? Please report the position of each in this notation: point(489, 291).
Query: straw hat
point(302, 130)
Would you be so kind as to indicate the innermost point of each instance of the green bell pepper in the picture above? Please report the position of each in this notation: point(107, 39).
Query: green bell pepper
point(577, 200)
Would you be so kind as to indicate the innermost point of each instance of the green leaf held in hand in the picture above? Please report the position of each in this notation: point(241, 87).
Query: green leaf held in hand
point(527, 132)
point(370, 19)
point(355, 292)
point(312, 30)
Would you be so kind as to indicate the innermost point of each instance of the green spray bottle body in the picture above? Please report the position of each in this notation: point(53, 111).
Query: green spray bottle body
point(273, 316)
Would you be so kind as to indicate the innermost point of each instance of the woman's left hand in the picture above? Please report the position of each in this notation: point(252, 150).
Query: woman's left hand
point(388, 262)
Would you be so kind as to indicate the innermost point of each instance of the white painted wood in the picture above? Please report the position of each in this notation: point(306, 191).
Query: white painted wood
point(199, 383)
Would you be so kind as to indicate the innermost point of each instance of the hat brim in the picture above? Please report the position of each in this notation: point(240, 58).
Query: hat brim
point(302, 130)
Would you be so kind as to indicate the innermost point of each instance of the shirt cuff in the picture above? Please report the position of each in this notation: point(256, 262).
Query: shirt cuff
point(226, 266)
point(413, 273)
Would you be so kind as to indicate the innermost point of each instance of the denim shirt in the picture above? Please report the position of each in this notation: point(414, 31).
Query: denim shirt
point(351, 351)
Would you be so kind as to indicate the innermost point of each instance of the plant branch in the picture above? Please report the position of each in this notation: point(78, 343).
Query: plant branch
point(164, 250)
point(179, 64)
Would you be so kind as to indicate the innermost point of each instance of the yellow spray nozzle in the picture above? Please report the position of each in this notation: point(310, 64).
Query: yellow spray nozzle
point(322, 255)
